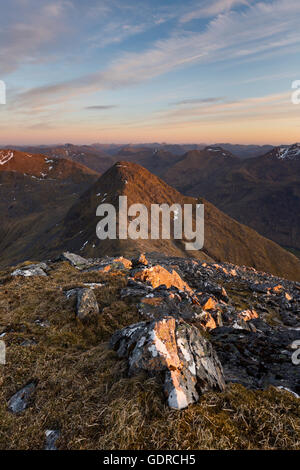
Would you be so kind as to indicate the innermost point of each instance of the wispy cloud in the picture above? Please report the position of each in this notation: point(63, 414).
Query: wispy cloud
point(259, 107)
point(35, 26)
point(235, 36)
point(212, 8)
point(114, 33)
point(101, 107)
point(262, 28)
point(195, 101)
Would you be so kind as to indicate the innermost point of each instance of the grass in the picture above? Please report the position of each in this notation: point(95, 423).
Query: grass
point(83, 389)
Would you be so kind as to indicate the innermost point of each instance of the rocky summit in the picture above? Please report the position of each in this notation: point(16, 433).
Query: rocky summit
point(102, 352)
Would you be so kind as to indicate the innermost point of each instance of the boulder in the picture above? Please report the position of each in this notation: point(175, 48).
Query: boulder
point(87, 306)
point(51, 438)
point(75, 260)
point(32, 270)
point(20, 400)
point(175, 349)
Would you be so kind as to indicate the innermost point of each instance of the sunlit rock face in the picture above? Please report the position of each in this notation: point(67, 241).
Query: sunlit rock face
point(158, 276)
point(178, 351)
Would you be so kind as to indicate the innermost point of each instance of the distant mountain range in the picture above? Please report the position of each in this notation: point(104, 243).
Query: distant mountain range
point(42, 184)
point(110, 150)
point(257, 185)
point(49, 206)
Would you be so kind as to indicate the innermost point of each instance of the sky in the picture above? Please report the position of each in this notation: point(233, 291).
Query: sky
point(128, 71)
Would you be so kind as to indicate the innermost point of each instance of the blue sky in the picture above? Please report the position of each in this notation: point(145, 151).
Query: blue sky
point(140, 70)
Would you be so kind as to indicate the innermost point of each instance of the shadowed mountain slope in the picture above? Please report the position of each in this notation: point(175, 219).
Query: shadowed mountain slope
point(262, 192)
point(225, 239)
point(35, 193)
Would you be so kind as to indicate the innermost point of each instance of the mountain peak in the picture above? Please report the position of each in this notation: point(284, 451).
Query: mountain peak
point(224, 237)
point(134, 181)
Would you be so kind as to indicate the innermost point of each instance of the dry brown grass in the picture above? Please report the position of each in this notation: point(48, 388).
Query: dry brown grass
point(83, 388)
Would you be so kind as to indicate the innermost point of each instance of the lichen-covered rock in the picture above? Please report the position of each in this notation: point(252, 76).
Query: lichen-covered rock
point(20, 400)
point(87, 306)
point(158, 275)
point(178, 350)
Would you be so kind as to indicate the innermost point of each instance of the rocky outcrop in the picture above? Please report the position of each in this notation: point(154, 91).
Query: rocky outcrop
point(158, 275)
point(252, 322)
point(258, 358)
point(175, 349)
point(87, 306)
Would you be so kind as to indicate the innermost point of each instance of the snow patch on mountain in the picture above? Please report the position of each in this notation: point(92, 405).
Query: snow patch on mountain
point(218, 151)
point(5, 157)
point(291, 152)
